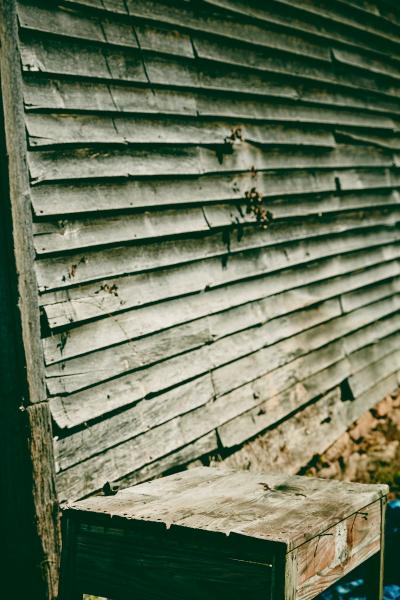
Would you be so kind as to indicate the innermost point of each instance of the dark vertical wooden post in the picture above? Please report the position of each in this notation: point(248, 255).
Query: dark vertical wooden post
point(375, 565)
point(29, 534)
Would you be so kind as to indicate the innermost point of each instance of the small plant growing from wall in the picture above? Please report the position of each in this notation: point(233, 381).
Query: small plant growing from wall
point(234, 138)
point(255, 206)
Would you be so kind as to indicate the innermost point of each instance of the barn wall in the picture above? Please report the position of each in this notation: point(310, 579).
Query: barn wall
point(215, 190)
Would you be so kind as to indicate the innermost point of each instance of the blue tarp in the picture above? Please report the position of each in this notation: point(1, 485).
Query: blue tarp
point(352, 587)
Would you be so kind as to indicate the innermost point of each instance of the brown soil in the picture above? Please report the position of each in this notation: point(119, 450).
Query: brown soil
point(369, 452)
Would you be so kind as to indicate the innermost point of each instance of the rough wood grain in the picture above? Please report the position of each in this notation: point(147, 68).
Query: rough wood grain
point(265, 314)
point(155, 129)
point(289, 535)
point(308, 433)
point(250, 350)
point(325, 559)
point(29, 514)
point(201, 490)
point(114, 295)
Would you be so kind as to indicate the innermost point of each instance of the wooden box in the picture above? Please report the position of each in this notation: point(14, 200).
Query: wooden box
point(210, 533)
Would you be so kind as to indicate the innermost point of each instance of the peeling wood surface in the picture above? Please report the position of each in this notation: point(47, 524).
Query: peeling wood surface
point(28, 507)
point(215, 193)
point(247, 533)
point(202, 489)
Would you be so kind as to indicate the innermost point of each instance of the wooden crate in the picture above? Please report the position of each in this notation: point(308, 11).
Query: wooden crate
point(215, 533)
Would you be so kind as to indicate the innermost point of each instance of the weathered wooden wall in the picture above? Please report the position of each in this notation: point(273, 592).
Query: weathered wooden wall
point(29, 530)
point(215, 190)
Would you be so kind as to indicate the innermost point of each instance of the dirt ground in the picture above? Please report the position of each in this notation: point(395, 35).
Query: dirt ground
point(369, 452)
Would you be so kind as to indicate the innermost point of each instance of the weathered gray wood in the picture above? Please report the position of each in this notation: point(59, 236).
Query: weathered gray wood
point(103, 298)
point(218, 23)
point(44, 93)
point(298, 22)
point(51, 166)
point(60, 199)
point(79, 268)
point(178, 315)
point(201, 490)
point(81, 406)
point(54, 129)
point(147, 320)
point(382, 141)
point(213, 49)
point(51, 237)
point(362, 380)
point(71, 24)
point(271, 409)
point(254, 321)
point(255, 108)
point(273, 385)
point(29, 514)
point(150, 37)
point(71, 57)
point(340, 16)
point(356, 59)
point(269, 524)
point(80, 372)
point(292, 434)
point(202, 447)
point(307, 433)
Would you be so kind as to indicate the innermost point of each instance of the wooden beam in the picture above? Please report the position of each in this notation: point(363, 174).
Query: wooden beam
point(29, 513)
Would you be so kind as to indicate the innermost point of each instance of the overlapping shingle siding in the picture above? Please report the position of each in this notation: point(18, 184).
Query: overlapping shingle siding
point(215, 187)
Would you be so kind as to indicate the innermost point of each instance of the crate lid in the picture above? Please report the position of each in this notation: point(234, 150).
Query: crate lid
point(273, 507)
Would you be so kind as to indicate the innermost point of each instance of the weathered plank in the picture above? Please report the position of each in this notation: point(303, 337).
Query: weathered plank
point(52, 166)
point(149, 319)
point(28, 508)
point(256, 108)
point(79, 268)
point(81, 406)
point(42, 93)
point(219, 23)
point(301, 21)
point(355, 59)
point(105, 297)
point(72, 234)
point(335, 14)
point(136, 420)
point(146, 448)
point(376, 370)
point(72, 57)
point(382, 141)
point(272, 408)
point(253, 366)
point(307, 433)
point(64, 235)
point(270, 326)
point(213, 49)
point(60, 199)
point(204, 446)
point(80, 372)
point(177, 315)
point(53, 129)
point(248, 365)
point(74, 24)
point(323, 560)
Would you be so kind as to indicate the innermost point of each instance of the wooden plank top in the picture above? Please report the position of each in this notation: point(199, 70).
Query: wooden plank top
point(278, 508)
